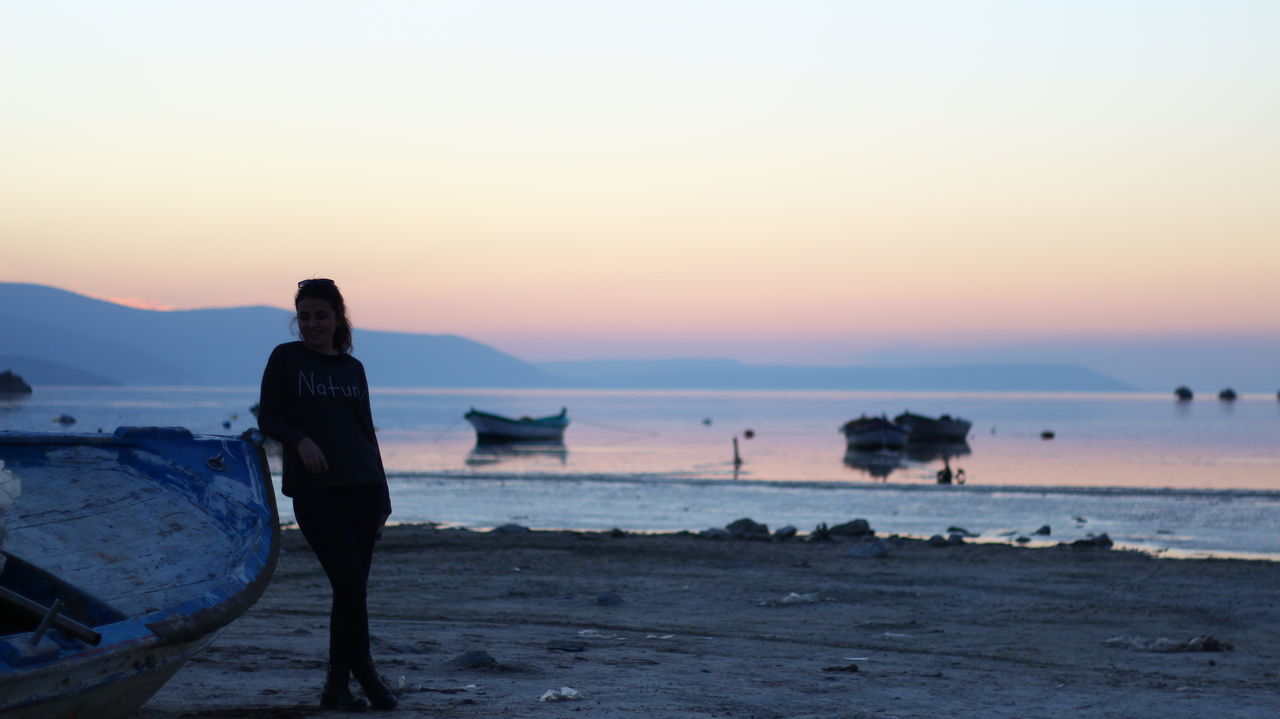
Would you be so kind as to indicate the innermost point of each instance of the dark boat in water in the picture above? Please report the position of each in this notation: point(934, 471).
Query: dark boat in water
point(125, 554)
point(497, 428)
point(877, 446)
point(873, 433)
point(1227, 395)
point(1184, 394)
point(928, 429)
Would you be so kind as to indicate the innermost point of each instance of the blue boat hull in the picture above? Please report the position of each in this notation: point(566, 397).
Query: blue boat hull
point(150, 541)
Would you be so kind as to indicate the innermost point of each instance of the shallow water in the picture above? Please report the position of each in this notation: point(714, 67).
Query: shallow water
point(1190, 477)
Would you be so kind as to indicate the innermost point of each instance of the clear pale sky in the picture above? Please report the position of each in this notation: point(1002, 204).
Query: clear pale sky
point(792, 181)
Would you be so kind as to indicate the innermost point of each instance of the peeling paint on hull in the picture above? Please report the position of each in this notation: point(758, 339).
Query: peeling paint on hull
point(152, 540)
point(103, 687)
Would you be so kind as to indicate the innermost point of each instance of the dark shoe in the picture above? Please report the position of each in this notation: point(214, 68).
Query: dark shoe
point(337, 694)
point(380, 695)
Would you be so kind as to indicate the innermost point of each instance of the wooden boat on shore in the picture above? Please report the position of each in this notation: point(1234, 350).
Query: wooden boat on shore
point(928, 429)
point(873, 433)
point(125, 554)
point(497, 428)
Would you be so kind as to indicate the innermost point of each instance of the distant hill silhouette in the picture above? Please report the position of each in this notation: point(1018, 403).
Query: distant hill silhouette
point(731, 374)
point(53, 336)
point(224, 346)
point(38, 371)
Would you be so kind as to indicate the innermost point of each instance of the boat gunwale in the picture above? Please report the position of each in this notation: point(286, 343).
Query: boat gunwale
point(551, 420)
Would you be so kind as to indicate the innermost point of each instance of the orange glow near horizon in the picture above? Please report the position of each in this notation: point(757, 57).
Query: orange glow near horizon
point(139, 303)
point(713, 177)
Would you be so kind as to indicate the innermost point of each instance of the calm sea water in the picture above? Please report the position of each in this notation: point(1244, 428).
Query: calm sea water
point(1184, 478)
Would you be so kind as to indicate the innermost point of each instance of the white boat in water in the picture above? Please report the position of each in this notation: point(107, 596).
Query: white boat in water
point(125, 554)
point(873, 433)
point(497, 428)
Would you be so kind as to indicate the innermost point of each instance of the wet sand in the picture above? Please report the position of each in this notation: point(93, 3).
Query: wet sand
point(759, 630)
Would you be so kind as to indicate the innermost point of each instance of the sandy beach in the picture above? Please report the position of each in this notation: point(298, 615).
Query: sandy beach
point(555, 624)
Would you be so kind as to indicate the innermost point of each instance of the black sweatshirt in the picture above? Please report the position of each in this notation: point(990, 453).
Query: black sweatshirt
point(326, 398)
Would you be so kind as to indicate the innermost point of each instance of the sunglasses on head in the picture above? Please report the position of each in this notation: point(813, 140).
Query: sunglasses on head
point(320, 281)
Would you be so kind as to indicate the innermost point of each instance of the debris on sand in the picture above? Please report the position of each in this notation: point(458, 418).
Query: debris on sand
point(559, 695)
point(1199, 643)
point(792, 598)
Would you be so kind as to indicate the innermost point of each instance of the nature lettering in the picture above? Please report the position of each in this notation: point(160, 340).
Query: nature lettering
point(325, 389)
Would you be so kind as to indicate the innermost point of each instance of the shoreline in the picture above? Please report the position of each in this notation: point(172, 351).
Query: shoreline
point(835, 485)
point(1173, 554)
point(685, 627)
point(1179, 524)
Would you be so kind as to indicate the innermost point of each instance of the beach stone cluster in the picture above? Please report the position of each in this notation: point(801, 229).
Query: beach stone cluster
point(750, 530)
point(1102, 541)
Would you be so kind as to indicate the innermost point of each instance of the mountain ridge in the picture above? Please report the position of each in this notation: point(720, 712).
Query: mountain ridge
point(86, 338)
point(732, 374)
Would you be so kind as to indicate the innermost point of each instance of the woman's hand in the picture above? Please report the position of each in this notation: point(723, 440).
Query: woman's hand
point(312, 457)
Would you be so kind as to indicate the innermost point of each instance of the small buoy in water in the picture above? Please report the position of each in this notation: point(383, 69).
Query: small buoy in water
point(1047, 434)
point(226, 424)
point(748, 433)
point(706, 421)
point(64, 419)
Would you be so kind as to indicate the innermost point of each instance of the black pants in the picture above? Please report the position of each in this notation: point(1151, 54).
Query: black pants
point(341, 524)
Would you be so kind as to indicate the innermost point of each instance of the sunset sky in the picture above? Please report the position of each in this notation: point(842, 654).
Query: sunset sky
point(793, 181)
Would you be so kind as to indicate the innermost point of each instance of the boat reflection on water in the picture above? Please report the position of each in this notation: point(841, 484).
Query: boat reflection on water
point(925, 452)
point(486, 453)
point(878, 463)
point(883, 462)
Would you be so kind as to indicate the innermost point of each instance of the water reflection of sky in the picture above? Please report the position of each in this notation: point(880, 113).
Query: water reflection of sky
point(1099, 440)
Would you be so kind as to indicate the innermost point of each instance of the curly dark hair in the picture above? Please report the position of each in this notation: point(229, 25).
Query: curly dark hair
point(322, 289)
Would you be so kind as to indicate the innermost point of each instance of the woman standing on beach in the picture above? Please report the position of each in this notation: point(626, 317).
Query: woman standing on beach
point(315, 401)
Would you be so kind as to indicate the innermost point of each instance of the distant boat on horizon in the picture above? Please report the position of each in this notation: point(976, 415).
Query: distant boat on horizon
point(491, 428)
point(1227, 395)
point(1183, 393)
